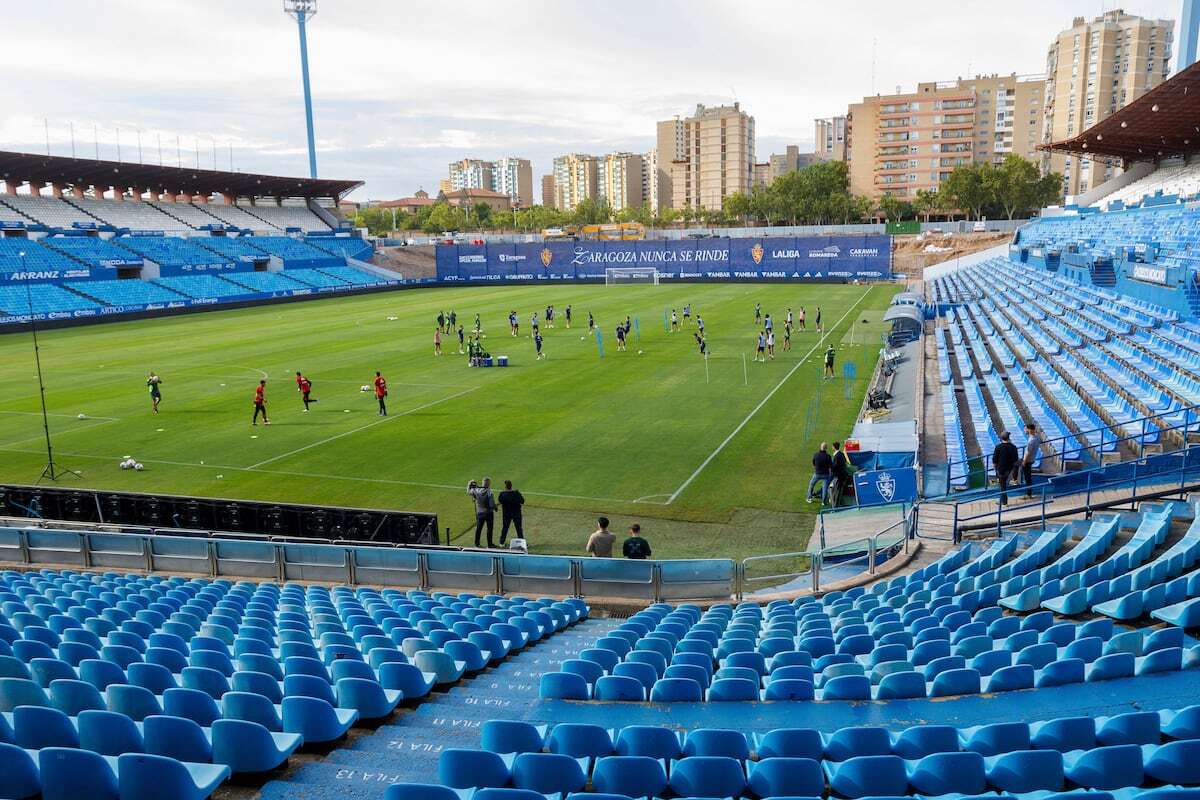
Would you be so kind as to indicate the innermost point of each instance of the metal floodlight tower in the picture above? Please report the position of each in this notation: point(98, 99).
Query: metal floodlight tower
point(302, 11)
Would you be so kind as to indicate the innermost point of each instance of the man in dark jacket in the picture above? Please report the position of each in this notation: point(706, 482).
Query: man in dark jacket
point(822, 473)
point(841, 474)
point(1004, 460)
point(636, 546)
point(510, 511)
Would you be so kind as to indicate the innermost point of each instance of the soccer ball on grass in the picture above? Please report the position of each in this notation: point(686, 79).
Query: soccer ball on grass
point(364, 388)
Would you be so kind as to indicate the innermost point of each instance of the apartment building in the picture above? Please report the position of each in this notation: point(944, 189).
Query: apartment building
point(790, 160)
point(903, 143)
point(712, 156)
point(514, 177)
point(619, 180)
point(471, 173)
point(1094, 68)
point(575, 179)
point(508, 176)
point(829, 138)
point(669, 148)
point(650, 181)
point(548, 191)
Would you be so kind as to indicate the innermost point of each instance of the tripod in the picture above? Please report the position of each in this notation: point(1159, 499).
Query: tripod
point(52, 471)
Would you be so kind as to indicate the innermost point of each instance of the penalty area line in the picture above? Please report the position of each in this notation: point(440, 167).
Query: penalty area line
point(360, 428)
point(754, 411)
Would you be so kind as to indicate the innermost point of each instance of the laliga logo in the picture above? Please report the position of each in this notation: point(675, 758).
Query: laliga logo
point(885, 484)
point(547, 256)
point(756, 253)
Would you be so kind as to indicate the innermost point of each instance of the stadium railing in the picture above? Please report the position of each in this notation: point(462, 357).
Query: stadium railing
point(1148, 434)
point(46, 543)
point(1166, 475)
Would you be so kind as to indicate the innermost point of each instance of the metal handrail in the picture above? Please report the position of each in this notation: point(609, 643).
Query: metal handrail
point(1108, 434)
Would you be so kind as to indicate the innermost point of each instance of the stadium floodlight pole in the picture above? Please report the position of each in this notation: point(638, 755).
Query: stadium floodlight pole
point(52, 470)
point(302, 11)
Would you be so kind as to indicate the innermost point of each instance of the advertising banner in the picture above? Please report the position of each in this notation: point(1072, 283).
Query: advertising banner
point(881, 486)
point(783, 258)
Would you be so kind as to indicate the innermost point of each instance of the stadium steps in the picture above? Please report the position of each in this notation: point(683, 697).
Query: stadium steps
point(19, 213)
point(1103, 274)
point(64, 253)
point(172, 216)
point(270, 226)
point(81, 210)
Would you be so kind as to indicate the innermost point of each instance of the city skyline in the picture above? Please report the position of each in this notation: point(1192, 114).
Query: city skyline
point(394, 106)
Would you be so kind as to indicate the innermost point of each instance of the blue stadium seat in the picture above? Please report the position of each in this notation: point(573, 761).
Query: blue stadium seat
point(109, 733)
point(145, 777)
point(786, 777)
point(650, 741)
point(19, 774)
point(632, 776)
point(548, 773)
point(68, 773)
point(176, 737)
point(472, 769)
point(618, 688)
point(864, 776)
point(511, 736)
point(35, 727)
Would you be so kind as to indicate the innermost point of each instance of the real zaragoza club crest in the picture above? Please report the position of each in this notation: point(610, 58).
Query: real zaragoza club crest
point(547, 256)
point(756, 253)
point(885, 484)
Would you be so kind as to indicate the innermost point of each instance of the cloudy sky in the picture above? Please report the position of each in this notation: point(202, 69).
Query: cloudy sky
point(402, 87)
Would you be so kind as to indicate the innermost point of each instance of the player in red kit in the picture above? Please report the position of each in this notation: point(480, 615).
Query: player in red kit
point(260, 403)
point(381, 393)
point(305, 386)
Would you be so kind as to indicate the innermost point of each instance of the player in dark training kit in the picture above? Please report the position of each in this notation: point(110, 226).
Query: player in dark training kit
point(568, 315)
point(260, 403)
point(153, 381)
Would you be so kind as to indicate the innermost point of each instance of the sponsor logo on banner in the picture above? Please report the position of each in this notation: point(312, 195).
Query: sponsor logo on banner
point(37, 275)
point(479, 258)
point(1151, 274)
point(885, 484)
point(507, 257)
point(60, 315)
point(155, 306)
point(864, 252)
point(85, 312)
point(756, 252)
point(830, 251)
point(176, 304)
point(547, 256)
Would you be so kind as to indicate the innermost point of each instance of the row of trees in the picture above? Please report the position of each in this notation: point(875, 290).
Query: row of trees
point(815, 195)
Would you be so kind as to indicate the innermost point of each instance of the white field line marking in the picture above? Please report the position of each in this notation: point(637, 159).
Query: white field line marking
point(763, 402)
point(360, 428)
point(52, 414)
point(387, 481)
point(77, 429)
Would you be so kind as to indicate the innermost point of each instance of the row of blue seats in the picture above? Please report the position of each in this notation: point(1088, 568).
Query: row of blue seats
point(958, 773)
point(57, 773)
point(1066, 734)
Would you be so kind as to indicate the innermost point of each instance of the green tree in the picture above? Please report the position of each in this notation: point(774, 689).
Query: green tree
point(668, 217)
point(482, 213)
point(894, 209)
point(970, 188)
point(925, 203)
point(592, 212)
point(1019, 187)
point(444, 217)
point(738, 206)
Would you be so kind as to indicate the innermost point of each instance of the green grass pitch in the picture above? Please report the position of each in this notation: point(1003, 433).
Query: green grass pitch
point(711, 462)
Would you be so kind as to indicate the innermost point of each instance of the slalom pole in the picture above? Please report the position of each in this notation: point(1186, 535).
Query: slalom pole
point(706, 367)
point(600, 342)
point(666, 323)
point(745, 373)
point(637, 329)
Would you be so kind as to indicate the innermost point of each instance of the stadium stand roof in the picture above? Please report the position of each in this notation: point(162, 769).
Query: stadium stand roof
point(1163, 122)
point(122, 174)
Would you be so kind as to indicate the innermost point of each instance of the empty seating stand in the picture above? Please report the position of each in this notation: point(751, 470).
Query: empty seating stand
point(162, 687)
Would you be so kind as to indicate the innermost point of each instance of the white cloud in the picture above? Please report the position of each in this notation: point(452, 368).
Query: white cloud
point(402, 89)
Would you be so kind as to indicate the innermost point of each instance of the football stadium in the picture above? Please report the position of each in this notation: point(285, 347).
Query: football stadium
point(821, 476)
